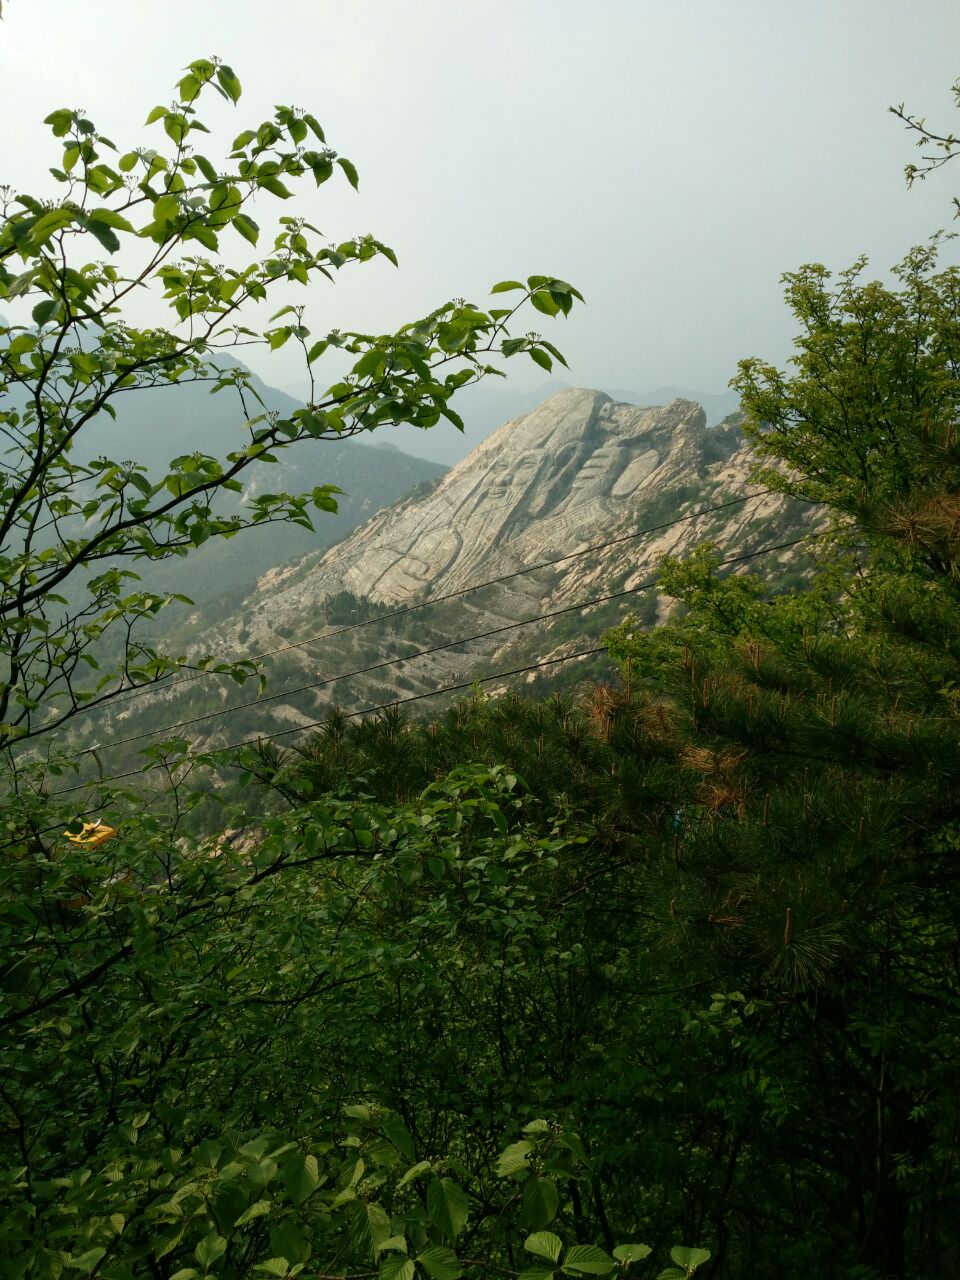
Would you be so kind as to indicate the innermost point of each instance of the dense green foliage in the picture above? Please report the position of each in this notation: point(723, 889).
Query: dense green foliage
point(544, 987)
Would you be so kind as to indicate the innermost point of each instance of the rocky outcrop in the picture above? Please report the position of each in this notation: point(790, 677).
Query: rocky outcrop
point(582, 471)
point(541, 485)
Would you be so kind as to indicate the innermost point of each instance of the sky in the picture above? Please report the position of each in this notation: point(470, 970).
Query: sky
point(671, 158)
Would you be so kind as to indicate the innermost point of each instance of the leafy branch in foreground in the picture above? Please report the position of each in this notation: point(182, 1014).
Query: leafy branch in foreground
point(171, 220)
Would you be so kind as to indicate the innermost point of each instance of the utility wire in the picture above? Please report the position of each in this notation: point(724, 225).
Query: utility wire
point(409, 657)
point(417, 697)
point(140, 690)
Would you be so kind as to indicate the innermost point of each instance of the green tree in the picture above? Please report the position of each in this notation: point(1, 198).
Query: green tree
point(169, 219)
point(814, 874)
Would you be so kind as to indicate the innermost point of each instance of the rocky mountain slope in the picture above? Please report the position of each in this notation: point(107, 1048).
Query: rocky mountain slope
point(578, 471)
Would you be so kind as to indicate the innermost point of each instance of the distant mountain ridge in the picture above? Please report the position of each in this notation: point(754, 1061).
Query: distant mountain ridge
point(581, 470)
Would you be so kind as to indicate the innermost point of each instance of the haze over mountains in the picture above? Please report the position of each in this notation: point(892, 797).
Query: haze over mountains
point(486, 405)
point(580, 470)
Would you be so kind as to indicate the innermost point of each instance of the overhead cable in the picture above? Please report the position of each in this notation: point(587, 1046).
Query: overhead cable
point(398, 702)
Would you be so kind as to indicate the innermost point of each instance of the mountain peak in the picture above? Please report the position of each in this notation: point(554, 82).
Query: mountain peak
point(548, 481)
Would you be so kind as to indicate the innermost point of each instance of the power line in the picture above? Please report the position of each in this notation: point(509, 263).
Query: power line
point(140, 690)
point(409, 657)
point(417, 697)
point(349, 715)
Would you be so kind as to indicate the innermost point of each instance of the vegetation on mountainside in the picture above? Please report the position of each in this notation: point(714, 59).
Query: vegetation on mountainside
point(540, 988)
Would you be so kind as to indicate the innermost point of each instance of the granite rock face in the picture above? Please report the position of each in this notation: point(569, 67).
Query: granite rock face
point(569, 484)
point(540, 486)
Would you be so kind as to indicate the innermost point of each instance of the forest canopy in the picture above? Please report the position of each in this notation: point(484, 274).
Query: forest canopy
point(656, 978)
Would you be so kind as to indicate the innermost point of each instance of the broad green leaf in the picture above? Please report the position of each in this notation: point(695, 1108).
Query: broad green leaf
point(189, 88)
point(544, 1244)
point(51, 222)
point(110, 218)
point(415, 1171)
point(21, 344)
point(631, 1252)
point(210, 1248)
point(300, 1176)
point(587, 1260)
point(396, 1267)
point(369, 1224)
point(543, 301)
point(256, 1210)
point(393, 1127)
point(314, 125)
point(514, 1158)
point(229, 83)
point(689, 1259)
point(541, 358)
point(166, 208)
point(440, 1263)
point(447, 1206)
point(540, 1201)
point(273, 1267)
point(392, 1244)
point(350, 171)
point(506, 286)
point(247, 227)
point(60, 122)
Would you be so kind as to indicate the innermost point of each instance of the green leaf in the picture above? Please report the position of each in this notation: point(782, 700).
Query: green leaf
point(415, 1171)
point(545, 1245)
point(300, 1176)
point(393, 1127)
point(88, 1261)
point(539, 1202)
point(273, 1267)
point(110, 218)
point(396, 1267)
point(210, 1248)
point(440, 1263)
point(351, 172)
point(42, 312)
point(588, 1260)
point(514, 1158)
point(541, 358)
point(506, 286)
point(189, 88)
point(20, 345)
point(60, 122)
point(247, 227)
point(275, 187)
point(166, 208)
point(229, 83)
point(256, 1210)
point(631, 1252)
point(313, 124)
point(543, 301)
point(689, 1259)
point(447, 1206)
point(316, 350)
point(128, 162)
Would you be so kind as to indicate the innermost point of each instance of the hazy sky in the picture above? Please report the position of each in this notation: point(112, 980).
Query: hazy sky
point(669, 157)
